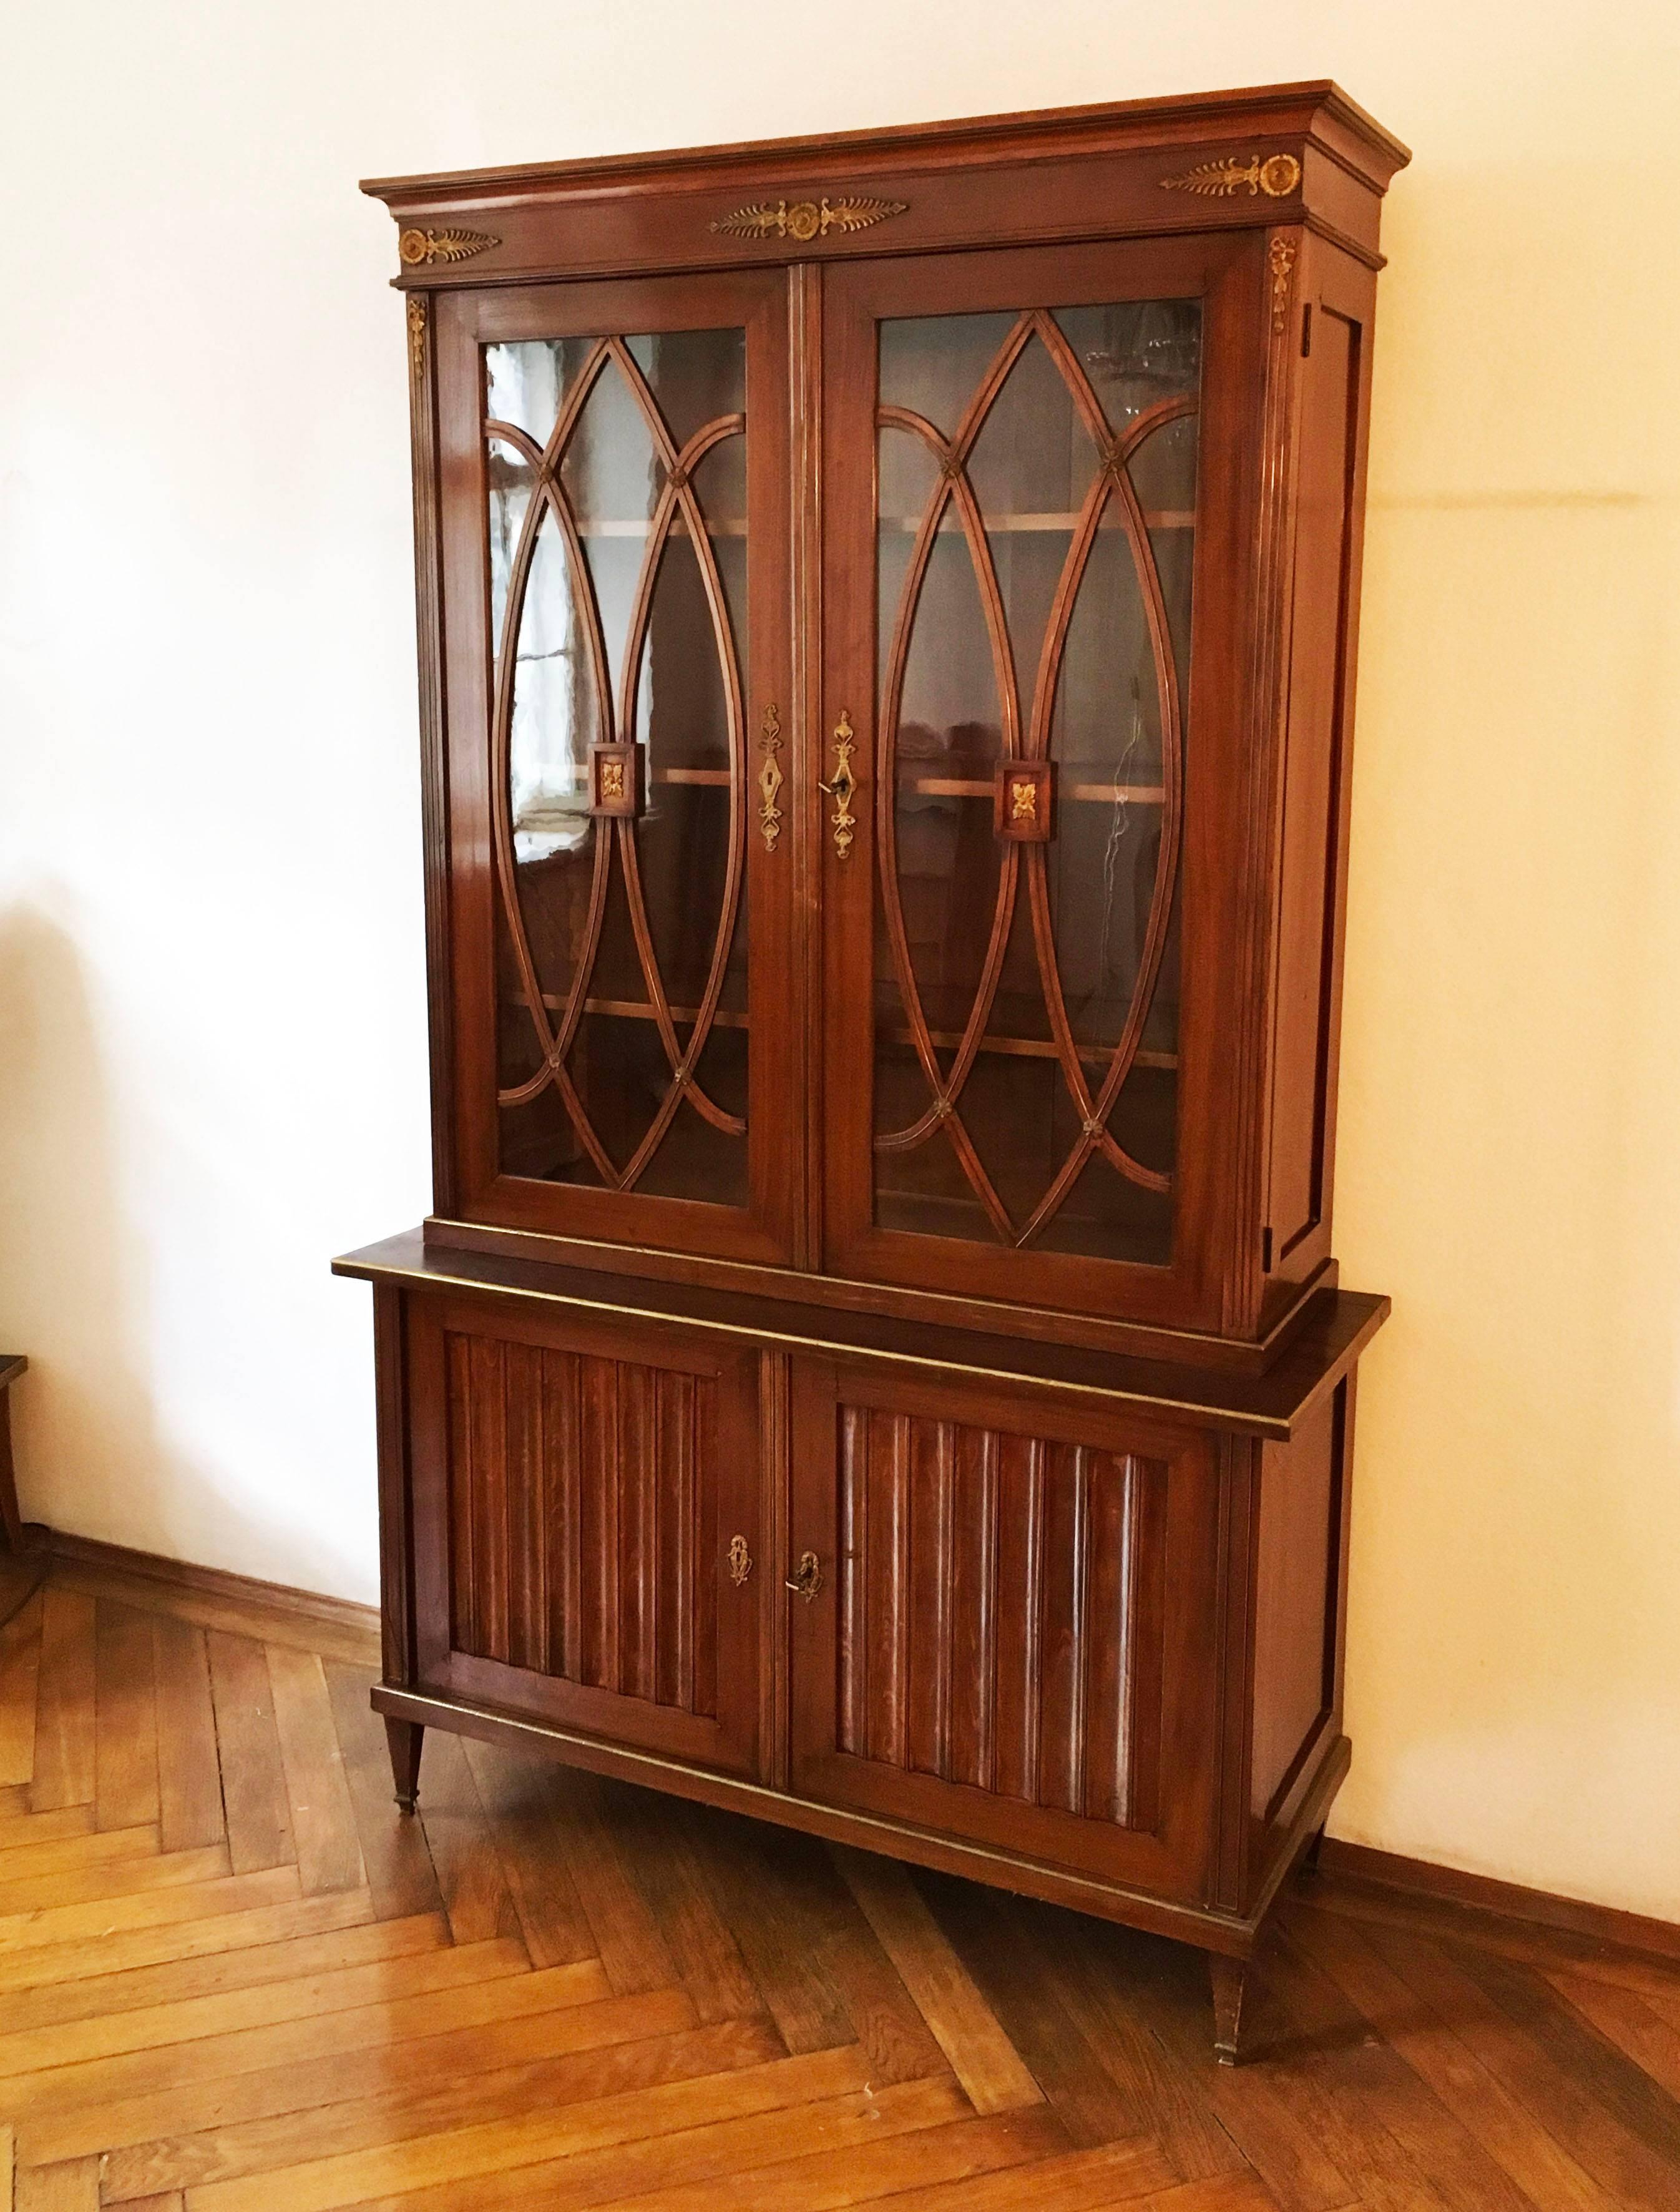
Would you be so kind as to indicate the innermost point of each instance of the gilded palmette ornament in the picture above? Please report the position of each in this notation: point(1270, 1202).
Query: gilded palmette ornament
point(807, 219)
point(1277, 176)
point(416, 248)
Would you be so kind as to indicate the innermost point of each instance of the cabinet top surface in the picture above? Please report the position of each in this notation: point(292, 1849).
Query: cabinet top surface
point(1339, 1326)
point(1317, 108)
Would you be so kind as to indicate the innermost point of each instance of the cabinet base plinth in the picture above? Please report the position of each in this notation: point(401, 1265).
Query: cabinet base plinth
point(1234, 1934)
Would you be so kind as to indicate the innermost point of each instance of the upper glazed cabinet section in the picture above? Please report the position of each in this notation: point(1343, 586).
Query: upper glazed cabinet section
point(887, 704)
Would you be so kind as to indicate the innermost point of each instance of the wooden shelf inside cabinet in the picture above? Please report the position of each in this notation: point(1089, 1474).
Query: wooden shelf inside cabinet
point(1018, 1048)
point(1102, 794)
point(728, 526)
point(637, 1010)
point(1007, 525)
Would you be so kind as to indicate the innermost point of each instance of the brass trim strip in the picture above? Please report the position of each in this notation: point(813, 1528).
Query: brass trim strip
point(1273, 1427)
point(982, 1314)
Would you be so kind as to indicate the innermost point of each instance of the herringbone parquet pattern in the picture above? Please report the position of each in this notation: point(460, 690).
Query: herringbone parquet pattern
point(235, 1978)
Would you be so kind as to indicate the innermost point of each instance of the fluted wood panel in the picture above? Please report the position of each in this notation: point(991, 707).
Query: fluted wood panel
point(1001, 1613)
point(582, 1514)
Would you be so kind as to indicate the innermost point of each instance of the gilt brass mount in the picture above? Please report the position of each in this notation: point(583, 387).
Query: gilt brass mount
point(1277, 177)
point(415, 249)
point(807, 219)
point(807, 1578)
point(844, 788)
point(770, 778)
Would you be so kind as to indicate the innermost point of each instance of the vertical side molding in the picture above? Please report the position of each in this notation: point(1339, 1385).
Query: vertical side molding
point(1278, 280)
point(776, 1475)
point(434, 782)
point(396, 1611)
point(1239, 1530)
point(804, 307)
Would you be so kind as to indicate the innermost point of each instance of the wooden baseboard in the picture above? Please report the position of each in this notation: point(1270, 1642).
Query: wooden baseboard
point(1442, 1885)
point(22, 1572)
point(336, 1626)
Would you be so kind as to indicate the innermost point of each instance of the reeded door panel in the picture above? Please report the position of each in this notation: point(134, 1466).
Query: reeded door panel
point(616, 505)
point(1011, 1638)
point(1020, 949)
point(587, 1503)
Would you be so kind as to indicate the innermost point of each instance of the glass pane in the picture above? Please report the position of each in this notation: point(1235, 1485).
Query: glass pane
point(1026, 985)
point(622, 1037)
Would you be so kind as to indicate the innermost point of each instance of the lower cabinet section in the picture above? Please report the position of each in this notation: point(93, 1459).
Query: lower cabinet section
point(1083, 1643)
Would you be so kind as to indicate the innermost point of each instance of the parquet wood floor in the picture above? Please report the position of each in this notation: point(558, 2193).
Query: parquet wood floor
point(235, 1978)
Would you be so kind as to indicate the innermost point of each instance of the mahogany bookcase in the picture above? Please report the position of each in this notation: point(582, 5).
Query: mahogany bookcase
point(886, 609)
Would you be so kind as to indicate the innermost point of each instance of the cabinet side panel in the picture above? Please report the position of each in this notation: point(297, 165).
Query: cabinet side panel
point(1296, 1580)
point(1314, 763)
point(397, 1592)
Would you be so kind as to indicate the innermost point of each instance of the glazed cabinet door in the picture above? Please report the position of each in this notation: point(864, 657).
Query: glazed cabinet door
point(1040, 482)
point(613, 500)
point(587, 1506)
point(1005, 1628)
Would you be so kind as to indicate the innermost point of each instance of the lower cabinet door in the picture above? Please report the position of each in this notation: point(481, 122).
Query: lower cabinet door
point(1010, 1634)
point(587, 1524)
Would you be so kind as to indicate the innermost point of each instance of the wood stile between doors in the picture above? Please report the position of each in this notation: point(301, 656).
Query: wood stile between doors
point(877, 1359)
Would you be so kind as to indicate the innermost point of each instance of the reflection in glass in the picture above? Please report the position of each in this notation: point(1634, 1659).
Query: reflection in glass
point(1035, 549)
point(616, 473)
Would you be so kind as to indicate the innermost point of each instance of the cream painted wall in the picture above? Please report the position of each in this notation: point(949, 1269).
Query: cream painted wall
point(211, 1013)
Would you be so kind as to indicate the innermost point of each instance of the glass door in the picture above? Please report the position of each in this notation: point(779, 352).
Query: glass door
point(1026, 560)
point(615, 501)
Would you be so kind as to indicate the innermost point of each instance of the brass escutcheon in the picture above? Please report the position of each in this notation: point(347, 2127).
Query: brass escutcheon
point(807, 1577)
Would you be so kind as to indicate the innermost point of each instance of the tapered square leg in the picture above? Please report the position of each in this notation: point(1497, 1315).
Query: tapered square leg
point(1309, 1857)
point(405, 1739)
point(1230, 1980)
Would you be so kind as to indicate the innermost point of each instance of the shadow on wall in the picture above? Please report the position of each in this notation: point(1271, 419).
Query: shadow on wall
point(71, 1266)
point(99, 1450)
